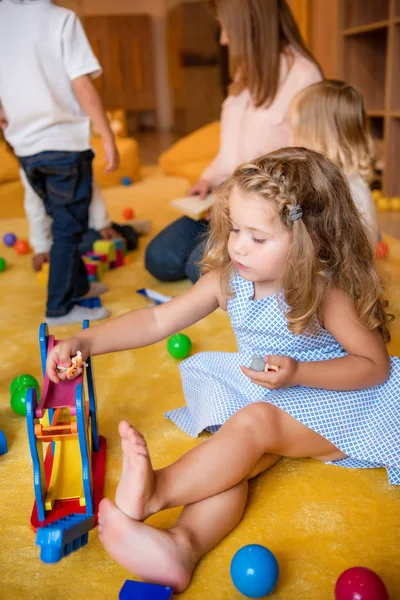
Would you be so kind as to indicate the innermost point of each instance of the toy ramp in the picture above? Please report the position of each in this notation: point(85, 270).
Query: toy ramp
point(66, 473)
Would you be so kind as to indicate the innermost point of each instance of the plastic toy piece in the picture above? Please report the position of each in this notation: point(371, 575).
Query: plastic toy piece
point(154, 296)
point(3, 443)
point(3, 264)
point(105, 247)
point(136, 590)
point(90, 302)
point(9, 239)
point(70, 478)
point(259, 364)
point(64, 536)
point(22, 247)
point(77, 361)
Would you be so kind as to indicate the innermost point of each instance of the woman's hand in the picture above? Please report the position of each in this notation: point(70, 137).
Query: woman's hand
point(201, 188)
point(61, 355)
point(284, 377)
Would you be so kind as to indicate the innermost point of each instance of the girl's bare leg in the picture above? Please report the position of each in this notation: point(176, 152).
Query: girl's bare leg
point(169, 557)
point(228, 457)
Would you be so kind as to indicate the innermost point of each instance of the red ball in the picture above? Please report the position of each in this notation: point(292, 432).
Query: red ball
point(359, 583)
point(21, 247)
point(381, 250)
point(128, 213)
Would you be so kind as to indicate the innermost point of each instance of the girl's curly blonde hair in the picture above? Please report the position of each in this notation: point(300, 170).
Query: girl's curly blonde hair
point(329, 248)
point(329, 116)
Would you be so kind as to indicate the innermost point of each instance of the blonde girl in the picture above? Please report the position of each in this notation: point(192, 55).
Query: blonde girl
point(329, 116)
point(289, 259)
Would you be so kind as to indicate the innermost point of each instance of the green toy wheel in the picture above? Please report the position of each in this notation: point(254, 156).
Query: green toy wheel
point(23, 380)
point(3, 264)
point(179, 345)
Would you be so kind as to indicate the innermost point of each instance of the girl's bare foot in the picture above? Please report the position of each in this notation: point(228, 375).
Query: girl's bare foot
point(136, 485)
point(156, 556)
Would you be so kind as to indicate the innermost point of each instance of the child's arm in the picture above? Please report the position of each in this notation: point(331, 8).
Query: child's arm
point(90, 101)
point(367, 363)
point(141, 327)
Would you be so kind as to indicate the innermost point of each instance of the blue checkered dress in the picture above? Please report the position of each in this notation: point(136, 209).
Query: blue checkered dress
point(364, 424)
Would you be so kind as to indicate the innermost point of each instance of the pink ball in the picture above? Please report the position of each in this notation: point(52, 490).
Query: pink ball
point(359, 583)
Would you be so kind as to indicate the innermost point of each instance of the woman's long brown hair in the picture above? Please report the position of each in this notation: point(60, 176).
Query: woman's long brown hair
point(330, 247)
point(259, 31)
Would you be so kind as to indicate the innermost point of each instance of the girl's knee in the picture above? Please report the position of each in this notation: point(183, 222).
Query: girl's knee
point(261, 419)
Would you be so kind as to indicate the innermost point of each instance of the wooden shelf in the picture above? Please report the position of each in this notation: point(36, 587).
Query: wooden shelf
point(369, 52)
point(365, 28)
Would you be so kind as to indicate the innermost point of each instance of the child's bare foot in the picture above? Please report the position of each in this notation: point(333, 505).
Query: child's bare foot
point(157, 556)
point(136, 485)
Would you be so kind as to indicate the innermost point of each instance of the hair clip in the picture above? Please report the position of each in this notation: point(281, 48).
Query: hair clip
point(295, 213)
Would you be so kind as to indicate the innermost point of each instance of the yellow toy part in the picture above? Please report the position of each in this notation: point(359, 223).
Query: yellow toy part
point(383, 203)
point(376, 194)
point(395, 203)
point(105, 247)
point(66, 475)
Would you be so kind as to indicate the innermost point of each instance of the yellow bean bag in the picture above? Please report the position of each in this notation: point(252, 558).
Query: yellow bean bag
point(11, 190)
point(192, 154)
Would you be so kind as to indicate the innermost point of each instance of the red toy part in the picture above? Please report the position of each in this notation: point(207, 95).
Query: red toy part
point(381, 250)
point(360, 583)
point(128, 213)
point(63, 508)
point(22, 247)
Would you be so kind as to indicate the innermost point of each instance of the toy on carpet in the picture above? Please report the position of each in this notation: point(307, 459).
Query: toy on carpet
point(3, 443)
point(22, 247)
point(153, 296)
point(381, 250)
point(77, 361)
point(69, 480)
point(254, 571)
point(383, 203)
point(126, 181)
point(179, 345)
point(3, 264)
point(9, 239)
point(360, 583)
point(259, 364)
point(136, 590)
point(18, 391)
point(128, 213)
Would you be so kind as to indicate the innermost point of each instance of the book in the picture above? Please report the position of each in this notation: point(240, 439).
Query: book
point(193, 206)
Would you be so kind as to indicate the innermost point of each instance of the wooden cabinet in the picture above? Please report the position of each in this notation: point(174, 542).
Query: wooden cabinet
point(193, 66)
point(124, 47)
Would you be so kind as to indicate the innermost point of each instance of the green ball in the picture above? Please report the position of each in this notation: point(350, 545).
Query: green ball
point(3, 264)
point(18, 399)
point(179, 345)
point(23, 380)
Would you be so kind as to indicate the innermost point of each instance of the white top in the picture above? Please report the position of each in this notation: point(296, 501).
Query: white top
point(42, 49)
point(363, 200)
point(40, 237)
point(248, 132)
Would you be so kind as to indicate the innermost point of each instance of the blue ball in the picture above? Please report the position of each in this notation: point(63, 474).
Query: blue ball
point(126, 181)
point(254, 571)
point(9, 239)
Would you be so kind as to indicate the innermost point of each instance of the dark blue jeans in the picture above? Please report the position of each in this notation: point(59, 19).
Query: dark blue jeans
point(174, 253)
point(64, 182)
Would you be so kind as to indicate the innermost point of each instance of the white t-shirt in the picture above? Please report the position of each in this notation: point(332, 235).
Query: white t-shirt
point(363, 200)
point(40, 237)
point(42, 49)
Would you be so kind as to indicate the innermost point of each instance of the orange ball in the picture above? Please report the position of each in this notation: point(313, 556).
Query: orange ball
point(127, 259)
point(128, 213)
point(22, 247)
point(381, 250)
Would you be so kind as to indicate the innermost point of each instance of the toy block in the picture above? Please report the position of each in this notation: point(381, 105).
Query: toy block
point(64, 536)
point(3, 443)
point(136, 590)
point(90, 302)
point(42, 277)
point(120, 244)
point(119, 262)
point(93, 278)
point(105, 247)
point(100, 259)
point(91, 268)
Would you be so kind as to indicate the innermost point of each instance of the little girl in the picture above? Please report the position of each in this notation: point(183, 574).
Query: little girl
point(289, 258)
point(329, 116)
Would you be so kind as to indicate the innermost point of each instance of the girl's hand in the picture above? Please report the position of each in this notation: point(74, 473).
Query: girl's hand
point(61, 355)
point(201, 188)
point(273, 380)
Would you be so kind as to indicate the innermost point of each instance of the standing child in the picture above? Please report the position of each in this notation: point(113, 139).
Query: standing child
point(329, 116)
point(47, 97)
point(289, 258)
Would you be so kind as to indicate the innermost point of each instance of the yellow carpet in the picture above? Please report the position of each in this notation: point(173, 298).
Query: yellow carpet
point(317, 519)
